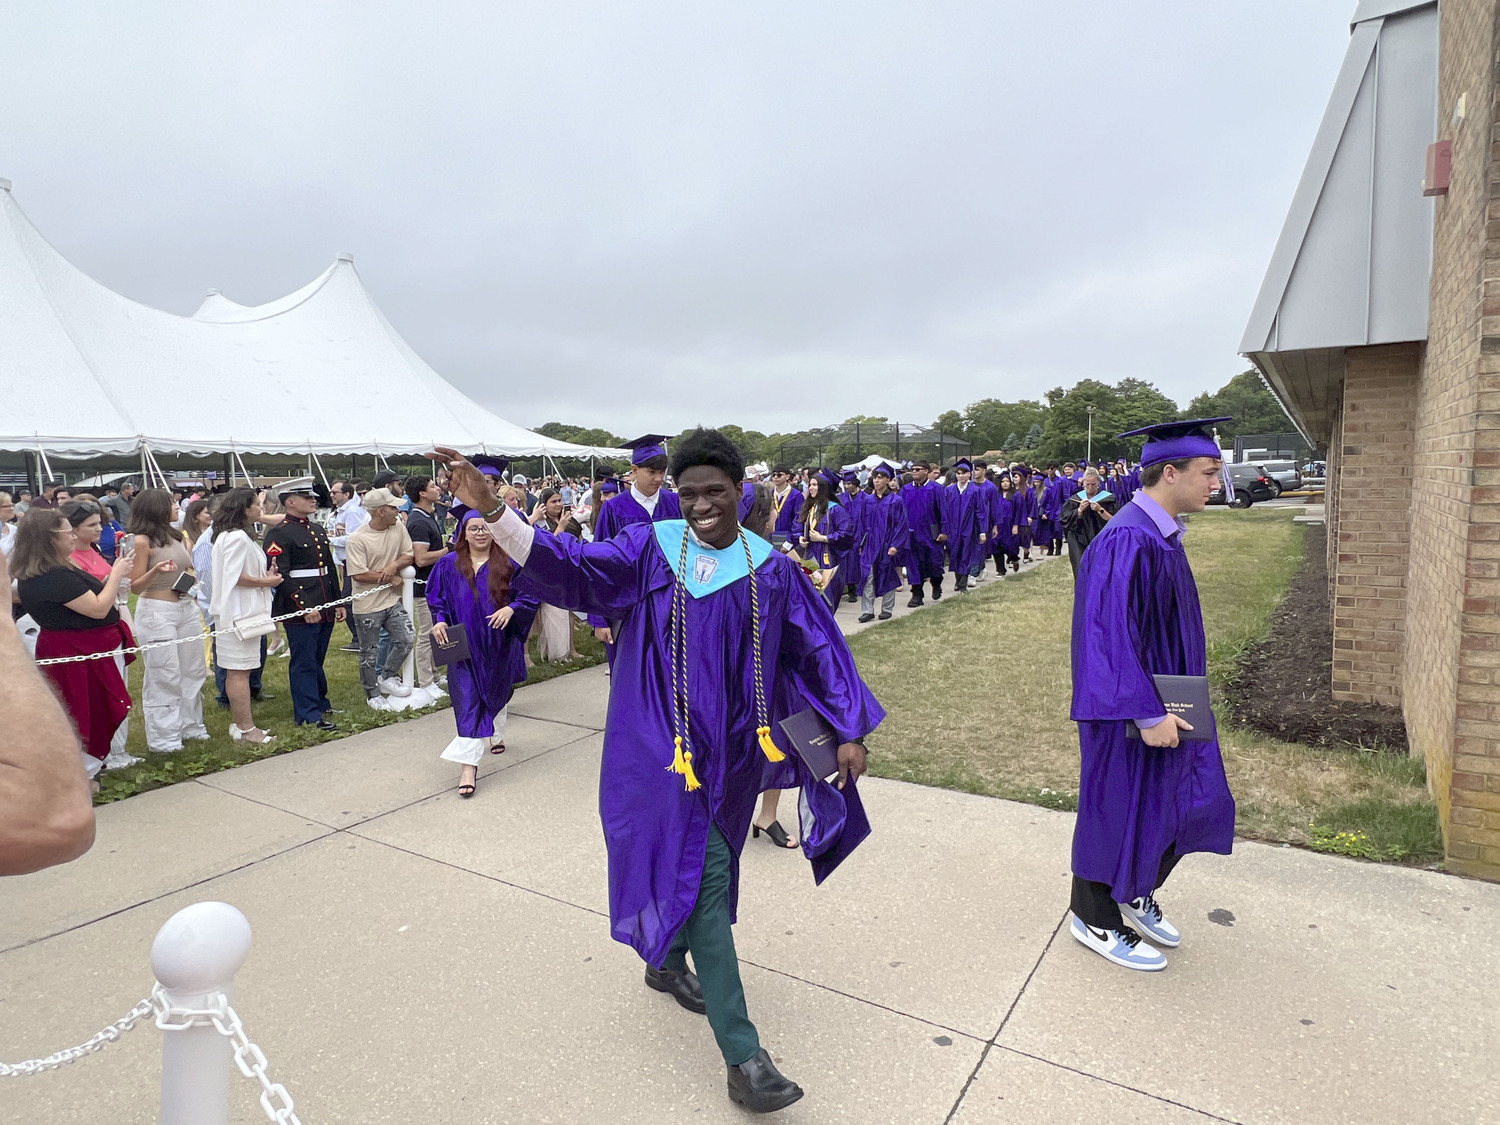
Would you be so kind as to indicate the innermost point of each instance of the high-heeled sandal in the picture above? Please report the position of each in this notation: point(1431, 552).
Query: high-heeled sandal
point(238, 735)
point(498, 748)
point(467, 790)
point(775, 832)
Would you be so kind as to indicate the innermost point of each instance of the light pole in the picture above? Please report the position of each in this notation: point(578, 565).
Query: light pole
point(1090, 455)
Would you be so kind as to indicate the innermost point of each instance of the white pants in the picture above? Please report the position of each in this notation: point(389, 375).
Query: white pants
point(172, 694)
point(554, 633)
point(470, 751)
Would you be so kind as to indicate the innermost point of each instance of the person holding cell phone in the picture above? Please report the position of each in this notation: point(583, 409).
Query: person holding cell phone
point(162, 579)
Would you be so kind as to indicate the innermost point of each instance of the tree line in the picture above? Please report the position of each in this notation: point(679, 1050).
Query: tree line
point(1052, 429)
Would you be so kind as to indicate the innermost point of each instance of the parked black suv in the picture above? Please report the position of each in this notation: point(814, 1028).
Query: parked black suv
point(1251, 485)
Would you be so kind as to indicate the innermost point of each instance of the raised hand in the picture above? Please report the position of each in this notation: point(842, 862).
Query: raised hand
point(468, 483)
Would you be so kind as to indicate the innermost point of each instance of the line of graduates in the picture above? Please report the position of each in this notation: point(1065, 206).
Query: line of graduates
point(912, 527)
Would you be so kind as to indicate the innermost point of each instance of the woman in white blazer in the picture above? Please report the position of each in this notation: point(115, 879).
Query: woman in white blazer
point(241, 589)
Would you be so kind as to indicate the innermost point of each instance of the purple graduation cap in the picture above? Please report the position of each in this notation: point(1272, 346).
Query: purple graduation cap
point(1175, 441)
point(645, 447)
point(609, 487)
point(849, 475)
point(963, 465)
point(828, 478)
point(490, 466)
point(885, 468)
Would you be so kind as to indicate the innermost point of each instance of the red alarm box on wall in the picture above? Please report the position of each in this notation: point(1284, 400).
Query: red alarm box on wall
point(1439, 168)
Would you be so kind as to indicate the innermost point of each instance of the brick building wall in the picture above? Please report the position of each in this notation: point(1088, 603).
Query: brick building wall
point(1451, 669)
point(1372, 520)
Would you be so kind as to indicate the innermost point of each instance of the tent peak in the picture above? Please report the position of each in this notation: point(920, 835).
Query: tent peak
point(346, 256)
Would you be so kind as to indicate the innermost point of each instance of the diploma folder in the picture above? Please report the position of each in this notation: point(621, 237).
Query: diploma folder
point(1187, 698)
point(455, 651)
point(814, 741)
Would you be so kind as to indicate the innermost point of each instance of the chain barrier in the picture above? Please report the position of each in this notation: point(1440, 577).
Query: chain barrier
point(114, 652)
point(251, 1060)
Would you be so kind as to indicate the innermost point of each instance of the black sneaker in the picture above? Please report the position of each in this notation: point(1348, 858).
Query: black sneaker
point(321, 724)
point(885, 617)
point(863, 617)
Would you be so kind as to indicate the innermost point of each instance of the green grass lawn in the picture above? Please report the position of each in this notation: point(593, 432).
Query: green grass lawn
point(977, 692)
point(344, 692)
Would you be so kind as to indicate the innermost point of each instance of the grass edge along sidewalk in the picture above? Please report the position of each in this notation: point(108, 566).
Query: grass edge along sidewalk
point(196, 759)
point(978, 688)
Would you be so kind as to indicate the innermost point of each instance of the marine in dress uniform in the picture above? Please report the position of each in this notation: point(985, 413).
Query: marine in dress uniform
point(300, 549)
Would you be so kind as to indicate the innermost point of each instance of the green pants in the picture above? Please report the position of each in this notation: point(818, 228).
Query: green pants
point(708, 935)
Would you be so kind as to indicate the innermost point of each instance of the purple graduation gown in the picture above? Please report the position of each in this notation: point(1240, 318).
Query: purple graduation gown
point(625, 510)
point(922, 513)
point(857, 505)
point(885, 527)
point(784, 518)
point(1026, 514)
point(834, 551)
point(1007, 543)
point(481, 685)
point(963, 519)
point(655, 830)
point(1135, 801)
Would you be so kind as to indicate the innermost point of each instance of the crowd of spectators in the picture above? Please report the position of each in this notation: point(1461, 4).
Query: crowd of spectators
point(185, 574)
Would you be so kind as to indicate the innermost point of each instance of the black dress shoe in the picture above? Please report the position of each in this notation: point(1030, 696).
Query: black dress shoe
point(321, 724)
point(682, 987)
point(863, 617)
point(916, 600)
point(885, 617)
point(758, 1086)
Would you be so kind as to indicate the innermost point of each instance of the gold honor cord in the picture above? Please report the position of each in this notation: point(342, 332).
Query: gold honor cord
point(682, 750)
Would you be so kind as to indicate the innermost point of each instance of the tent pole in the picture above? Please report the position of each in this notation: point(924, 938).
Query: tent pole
point(314, 457)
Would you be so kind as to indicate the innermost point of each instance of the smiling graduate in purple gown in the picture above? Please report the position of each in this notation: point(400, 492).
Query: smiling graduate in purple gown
point(923, 499)
point(965, 510)
point(714, 624)
point(1146, 801)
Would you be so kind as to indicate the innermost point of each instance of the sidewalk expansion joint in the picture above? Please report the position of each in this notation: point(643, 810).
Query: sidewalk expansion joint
point(1117, 1084)
point(167, 893)
point(990, 1044)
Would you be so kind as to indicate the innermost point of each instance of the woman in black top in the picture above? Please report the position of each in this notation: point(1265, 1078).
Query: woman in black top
point(77, 617)
point(1084, 515)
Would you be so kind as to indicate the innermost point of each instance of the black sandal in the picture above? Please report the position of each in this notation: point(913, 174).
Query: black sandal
point(498, 748)
point(775, 832)
point(466, 790)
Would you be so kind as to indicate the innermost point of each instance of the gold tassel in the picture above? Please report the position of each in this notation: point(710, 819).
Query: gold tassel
point(682, 763)
point(769, 748)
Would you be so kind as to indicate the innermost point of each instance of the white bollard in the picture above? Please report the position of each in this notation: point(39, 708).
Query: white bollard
point(409, 603)
point(195, 955)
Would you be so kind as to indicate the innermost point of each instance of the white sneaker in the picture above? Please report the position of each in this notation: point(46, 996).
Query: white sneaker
point(120, 761)
point(1123, 947)
point(392, 686)
point(378, 703)
point(1146, 914)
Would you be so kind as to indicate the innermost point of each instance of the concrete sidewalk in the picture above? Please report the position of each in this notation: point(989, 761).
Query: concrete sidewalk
point(423, 958)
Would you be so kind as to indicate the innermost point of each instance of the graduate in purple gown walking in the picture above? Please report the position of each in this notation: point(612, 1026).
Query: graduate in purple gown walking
point(1146, 797)
point(646, 501)
point(853, 500)
point(885, 544)
point(1026, 512)
point(1007, 545)
point(964, 532)
point(1054, 494)
point(474, 586)
point(989, 514)
point(825, 533)
point(923, 499)
point(786, 502)
point(713, 624)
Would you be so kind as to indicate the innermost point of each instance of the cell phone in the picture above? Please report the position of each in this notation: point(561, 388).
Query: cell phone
point(184, 582)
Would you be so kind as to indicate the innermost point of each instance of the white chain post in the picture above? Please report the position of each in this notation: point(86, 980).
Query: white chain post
point(408, 602)
point(195, 956)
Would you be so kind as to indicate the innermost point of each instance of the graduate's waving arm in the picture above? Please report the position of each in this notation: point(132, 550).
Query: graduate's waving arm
point(599, 578)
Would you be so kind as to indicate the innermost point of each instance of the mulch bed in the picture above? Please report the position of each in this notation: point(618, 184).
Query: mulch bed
point(1283, 686)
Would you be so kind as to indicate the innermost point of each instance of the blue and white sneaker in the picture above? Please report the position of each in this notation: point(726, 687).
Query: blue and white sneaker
point(1123, 947)
point(1146, 914)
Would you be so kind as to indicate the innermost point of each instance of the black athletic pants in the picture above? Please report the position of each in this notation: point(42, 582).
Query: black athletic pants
point(1095, 905)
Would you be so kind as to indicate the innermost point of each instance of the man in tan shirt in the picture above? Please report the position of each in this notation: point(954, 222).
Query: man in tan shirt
point(377, 553)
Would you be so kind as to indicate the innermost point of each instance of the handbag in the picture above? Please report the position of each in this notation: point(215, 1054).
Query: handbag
point(455, 651)
point(251, 625)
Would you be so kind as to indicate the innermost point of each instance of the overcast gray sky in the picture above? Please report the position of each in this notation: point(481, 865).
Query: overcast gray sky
point(645, 215)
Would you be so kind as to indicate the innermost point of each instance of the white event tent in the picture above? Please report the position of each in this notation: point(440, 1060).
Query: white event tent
point(86, 372)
